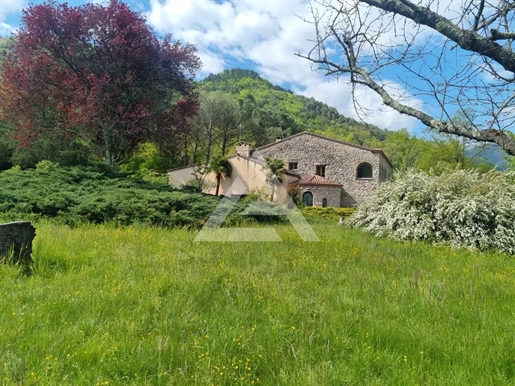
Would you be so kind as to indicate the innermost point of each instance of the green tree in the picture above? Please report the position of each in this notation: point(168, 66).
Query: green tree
point(277, 112)
point(445, 152)
point(274, 168)
point(217, 123)
point(64, 151)
point(403, 150)
point(144, 160)
point(7, 147)
point(221, 167)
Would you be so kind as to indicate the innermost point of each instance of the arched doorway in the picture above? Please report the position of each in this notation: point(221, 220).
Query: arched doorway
point(324, 202)
point(307, 198)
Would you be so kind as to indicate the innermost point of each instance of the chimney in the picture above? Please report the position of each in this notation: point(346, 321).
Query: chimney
point(243, 149)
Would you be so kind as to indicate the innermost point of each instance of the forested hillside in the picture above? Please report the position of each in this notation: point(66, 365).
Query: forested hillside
point(275, 106)
point(275, 111)
point(155, 115)
point(3, 43)
point(3, 47)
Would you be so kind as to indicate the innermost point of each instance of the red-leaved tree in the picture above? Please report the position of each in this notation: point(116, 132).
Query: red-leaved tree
point(97, 73)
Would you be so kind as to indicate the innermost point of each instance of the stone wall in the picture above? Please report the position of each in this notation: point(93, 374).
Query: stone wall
point(385, 170)
point(16, 241)
point(307, 151)
point(331, 193)
point(243, 149)
point(341, 161)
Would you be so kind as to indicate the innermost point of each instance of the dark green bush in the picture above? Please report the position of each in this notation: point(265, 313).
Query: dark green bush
point(77, 195)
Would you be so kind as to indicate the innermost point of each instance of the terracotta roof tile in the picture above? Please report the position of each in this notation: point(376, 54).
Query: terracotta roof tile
point(316, 180)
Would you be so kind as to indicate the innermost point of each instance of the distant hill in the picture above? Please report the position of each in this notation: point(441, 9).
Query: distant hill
point(293, 112)
point(489, 153)
point(4, 42)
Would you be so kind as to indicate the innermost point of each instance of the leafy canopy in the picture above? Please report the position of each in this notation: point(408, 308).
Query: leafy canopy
point(277, 112)
point(95, 72)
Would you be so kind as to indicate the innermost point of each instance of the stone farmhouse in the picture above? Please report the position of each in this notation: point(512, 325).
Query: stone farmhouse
point(327, 172)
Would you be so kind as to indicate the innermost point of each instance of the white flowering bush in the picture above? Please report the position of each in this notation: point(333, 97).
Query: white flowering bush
point(463, 208)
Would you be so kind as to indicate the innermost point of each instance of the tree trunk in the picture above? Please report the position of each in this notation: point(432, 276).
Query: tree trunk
point(209, 140)
point(218, 178)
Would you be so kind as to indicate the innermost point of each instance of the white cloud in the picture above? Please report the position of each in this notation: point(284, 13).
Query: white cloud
point(10, 6)
point(211, 63)
point(487, 73)
point(338, 93)
point(7, 8)
point(6, 29)
point(264, 35)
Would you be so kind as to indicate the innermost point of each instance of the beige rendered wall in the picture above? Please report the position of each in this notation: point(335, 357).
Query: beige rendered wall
point(179, 177)
point(248, 175)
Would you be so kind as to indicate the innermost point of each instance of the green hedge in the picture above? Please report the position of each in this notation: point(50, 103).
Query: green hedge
point(78, 195)
point(328, 212)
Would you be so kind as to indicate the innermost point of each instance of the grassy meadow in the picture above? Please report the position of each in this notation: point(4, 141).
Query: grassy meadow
point(148, 306)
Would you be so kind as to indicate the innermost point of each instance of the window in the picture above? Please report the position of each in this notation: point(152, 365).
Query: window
point(364, 170)
point(307, 198)
point(324, 202)
point(293, 165)
point(320, 170)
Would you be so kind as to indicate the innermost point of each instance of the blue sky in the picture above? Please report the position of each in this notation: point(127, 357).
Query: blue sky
point(262, 35)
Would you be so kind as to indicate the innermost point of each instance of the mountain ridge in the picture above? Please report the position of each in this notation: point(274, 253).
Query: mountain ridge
point(305, 114)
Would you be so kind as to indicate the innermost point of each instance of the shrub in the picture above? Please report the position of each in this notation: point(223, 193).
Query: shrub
point(78, 195)
point(329, 212)
point(46, 166)
point(294, 193)
point(463, 208)
point(259, 194)
point(13, 169)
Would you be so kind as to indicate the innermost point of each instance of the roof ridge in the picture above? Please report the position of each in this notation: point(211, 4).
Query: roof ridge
point(371, 149)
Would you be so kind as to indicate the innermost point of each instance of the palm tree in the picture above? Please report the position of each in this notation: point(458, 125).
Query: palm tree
point(274, 169)
point(221, 167)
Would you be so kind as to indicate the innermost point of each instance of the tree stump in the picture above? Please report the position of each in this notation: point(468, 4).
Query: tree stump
point(16, 241)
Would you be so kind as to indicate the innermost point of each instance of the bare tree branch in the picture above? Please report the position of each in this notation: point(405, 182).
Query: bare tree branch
point(448, 56)
point(496, 35)
point(478, 15)
point(466, 39)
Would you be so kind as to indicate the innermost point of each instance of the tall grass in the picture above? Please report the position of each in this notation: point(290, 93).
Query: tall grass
point(143, 306)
